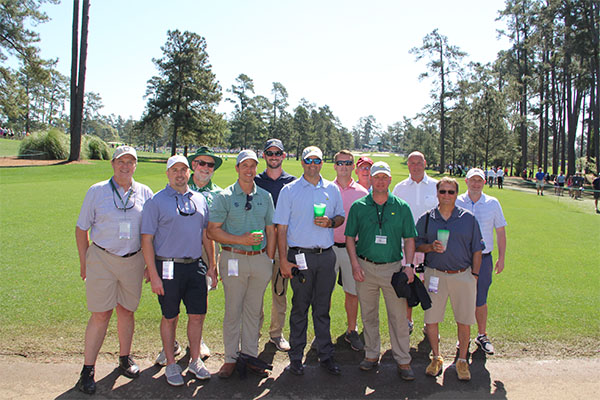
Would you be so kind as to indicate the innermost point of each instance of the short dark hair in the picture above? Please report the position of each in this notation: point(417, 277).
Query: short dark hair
point(447, 179)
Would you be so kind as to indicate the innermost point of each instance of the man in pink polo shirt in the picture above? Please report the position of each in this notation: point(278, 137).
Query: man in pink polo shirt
point(351, 191)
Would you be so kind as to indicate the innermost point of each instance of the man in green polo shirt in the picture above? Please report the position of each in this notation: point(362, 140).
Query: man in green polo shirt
point(381, 221)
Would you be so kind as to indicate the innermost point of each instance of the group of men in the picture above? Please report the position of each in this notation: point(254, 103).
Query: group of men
point(269, 230)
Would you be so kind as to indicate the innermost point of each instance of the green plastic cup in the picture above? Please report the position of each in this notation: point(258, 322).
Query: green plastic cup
point(319, 209)
point(442, 236)
point(257, 247)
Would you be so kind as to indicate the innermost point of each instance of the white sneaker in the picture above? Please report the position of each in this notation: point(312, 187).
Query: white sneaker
point(197, 368)
point(204, 350)
point(161, 359)
point(173, 375)
point(280, 343)
point(485, 344)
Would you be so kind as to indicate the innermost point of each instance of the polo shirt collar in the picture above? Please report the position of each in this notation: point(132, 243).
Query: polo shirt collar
point(426, 179)
point(172, 192)
point(264, 175)
point(112, 178)
point(307, 183)
point(237, 189)
point(370, 200)
point(455, 213)
point(351, 185)
point(481, 199)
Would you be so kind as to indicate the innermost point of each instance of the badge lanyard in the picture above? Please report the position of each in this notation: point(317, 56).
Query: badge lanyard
point(380, 216)
point(124, 203)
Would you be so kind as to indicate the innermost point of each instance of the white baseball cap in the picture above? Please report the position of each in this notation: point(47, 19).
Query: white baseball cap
point(177, 159)
point(381, 167)
point(246, 155)
point(312, 151)
point(122, 150)
point(476, 172)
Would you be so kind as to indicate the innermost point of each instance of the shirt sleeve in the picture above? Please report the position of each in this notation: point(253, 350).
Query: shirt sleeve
point(352, 222)
point(218, 209)
point(87, 212)
point(420, 227)
point(270, 211)
point(282, 211)
point(499, 220)
point(477, 243)
point(150, 215)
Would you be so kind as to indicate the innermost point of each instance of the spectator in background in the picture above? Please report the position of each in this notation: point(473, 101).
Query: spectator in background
point(363, 172)
point(539, 181)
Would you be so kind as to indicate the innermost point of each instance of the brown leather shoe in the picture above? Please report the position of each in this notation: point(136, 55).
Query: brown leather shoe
point(226, 370)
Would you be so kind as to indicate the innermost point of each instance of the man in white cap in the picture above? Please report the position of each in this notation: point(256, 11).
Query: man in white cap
point(241, 219)
point(488, 212)
point(173, 232)
point(310, 256)
point(112, 266)
point(382, 222)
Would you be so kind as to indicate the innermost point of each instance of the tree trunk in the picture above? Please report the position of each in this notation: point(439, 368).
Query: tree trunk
point(77, 109)
point(442, 115)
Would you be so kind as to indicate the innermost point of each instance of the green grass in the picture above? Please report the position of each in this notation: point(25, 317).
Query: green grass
point(547, 300)
point(9, 147)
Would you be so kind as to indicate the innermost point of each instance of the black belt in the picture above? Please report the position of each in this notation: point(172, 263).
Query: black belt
point(186, 260)
point(372, 262)
point(125, 256)
point(340, 245)
point(486, 254)
point(315, 250)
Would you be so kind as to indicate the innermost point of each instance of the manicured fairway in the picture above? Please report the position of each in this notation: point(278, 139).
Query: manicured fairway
point(546, 301)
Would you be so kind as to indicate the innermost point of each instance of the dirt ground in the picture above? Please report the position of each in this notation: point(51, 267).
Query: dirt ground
point(491, 378)
point(22, 162)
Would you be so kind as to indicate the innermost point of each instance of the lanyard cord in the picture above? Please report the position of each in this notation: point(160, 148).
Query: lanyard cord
point(380, 215)
point(124, 203)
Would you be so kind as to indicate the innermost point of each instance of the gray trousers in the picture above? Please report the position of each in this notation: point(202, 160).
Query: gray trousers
point(315, 292)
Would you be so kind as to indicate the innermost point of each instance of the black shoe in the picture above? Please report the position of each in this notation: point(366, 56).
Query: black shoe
point(86, 382)
point(331, 366)
point(128, 367)
point(296, 367)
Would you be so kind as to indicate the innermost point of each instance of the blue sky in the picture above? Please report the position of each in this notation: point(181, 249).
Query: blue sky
point(351, 55)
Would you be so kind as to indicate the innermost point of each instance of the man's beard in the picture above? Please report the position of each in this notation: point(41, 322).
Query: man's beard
point(203, 177)
point(276, 166)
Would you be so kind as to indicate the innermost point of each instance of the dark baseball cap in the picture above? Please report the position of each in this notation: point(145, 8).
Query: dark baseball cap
point(274, 143)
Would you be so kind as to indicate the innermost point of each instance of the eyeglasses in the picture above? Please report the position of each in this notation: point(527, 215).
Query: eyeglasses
point(446, 191)
point(315, 161)
point(204, 163)
point(345, 162)
point(365, 167)
point(248, 206)
point(274, 153)
point(183, 213)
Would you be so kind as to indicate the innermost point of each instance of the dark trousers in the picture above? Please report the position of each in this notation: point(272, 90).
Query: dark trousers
point(315, 292)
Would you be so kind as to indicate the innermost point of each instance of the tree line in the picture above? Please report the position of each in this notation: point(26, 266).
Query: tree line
point(537, 104)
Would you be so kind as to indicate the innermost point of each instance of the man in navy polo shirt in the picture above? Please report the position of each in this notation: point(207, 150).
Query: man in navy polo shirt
point(272, 179)
point(173, 232)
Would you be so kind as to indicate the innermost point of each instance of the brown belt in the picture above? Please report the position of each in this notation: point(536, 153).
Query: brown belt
point(247, 253)
point(453, 272)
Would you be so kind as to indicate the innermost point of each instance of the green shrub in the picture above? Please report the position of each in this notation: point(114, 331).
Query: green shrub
point(49, 145)
point(95, 148)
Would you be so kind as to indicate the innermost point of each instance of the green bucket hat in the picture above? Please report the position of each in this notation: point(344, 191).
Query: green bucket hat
point(205, 151)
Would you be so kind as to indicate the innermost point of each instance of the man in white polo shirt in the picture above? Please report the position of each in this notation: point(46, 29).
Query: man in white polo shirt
point(488, 213)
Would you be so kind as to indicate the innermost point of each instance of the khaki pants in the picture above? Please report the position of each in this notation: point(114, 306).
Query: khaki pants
point(279, 303)
point(378, 278)
point(243, 302)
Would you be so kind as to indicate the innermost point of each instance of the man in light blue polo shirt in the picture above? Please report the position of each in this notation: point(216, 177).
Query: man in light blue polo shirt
point(241, 219)
point(173, 232)
point(488, 213)
point(310, 256)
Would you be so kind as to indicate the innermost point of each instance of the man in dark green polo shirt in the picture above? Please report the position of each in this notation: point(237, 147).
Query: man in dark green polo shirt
point(381, 221)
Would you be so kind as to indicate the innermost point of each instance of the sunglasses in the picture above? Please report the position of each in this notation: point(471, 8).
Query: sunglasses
point(184, 213)
point(315, 161)
point(204, 163)
point(248, 205)
point(345, 162)
point(274, 153)
point(446, 191)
